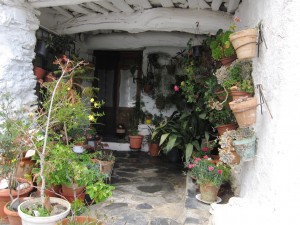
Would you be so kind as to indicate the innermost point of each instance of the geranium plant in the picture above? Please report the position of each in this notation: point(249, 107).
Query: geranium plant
point(206, 172)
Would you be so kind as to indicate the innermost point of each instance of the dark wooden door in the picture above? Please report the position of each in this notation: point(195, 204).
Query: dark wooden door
point(119, 88)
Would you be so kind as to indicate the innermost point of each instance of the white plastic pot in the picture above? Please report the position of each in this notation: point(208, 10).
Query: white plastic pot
point(78, 149)
point(48, 220)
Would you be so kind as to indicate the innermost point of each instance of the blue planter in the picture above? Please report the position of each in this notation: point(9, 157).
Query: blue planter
point(246, 148)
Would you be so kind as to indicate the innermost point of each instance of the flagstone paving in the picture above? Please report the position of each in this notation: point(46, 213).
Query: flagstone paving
point(150, 191)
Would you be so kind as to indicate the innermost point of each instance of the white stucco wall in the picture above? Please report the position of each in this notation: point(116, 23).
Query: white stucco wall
point(270, 183)
point(17, 40)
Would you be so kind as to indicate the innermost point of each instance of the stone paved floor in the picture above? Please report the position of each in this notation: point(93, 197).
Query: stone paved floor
point(149, 191)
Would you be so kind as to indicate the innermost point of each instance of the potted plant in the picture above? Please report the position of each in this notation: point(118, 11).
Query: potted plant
point(58, 44)
point(244, 142)
point(106, 160)
point(135, 139)
point(244, 110)
point(154, 139)
point(14, 143)
point(244, 42)
point(62, 110)
point(209, 176)
point(221, 47)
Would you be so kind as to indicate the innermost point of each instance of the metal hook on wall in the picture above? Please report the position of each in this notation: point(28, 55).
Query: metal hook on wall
point(261, 38)
point(262, 99)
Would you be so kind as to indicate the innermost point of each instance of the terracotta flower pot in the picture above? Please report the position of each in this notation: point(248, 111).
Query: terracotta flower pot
point(4, 198)
point(70, 195)
point(79, 220)
point(39, 72)
point(244, 43)
point(209, 192)
point(106, 167)
point(238, 94)
point(68, 189)
point(221, 129)
point(228, 60)
point(25, 166)
point(244, 111)
point(154, 149)
point(136, 141)
point(13, 216)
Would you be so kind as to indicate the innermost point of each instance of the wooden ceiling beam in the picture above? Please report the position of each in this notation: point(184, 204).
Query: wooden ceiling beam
point(215, 5)
point(122, 6)
point(167, 3)
point(63, 12)
point(232, 5)
point(96, 7)
point(108, 5)
point(155, 19)
point(195, 4)
point(52, 3)
point(80, 9)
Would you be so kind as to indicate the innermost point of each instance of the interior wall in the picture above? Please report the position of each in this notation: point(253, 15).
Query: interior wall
point(18, 19)
point(269, 184)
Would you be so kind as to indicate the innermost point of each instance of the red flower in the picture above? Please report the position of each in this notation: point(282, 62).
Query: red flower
point(211, 168)
point(197, 160)
point(205, 157)
point(176, 88)
point(191, 166)
point(205, 149)
point(220, 172)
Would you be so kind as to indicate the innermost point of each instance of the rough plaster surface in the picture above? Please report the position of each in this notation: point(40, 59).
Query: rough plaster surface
point(18, 24)
point(269, 184)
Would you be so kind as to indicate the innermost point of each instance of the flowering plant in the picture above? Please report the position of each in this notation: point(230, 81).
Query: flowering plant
point(206, 172)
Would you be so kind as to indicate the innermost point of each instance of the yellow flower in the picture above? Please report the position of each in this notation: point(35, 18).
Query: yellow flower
point(182, 83)
point(13, 160)
point(92, 100)
point(96, 105)
point(91, 118)
point(68, 89)
point(31, 114)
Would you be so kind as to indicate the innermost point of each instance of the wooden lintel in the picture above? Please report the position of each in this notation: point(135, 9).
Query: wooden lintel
point(80, 9)
point(96, 7)
point(155, 19)
point(52, 3)
point(108, 6)
point(63, 12)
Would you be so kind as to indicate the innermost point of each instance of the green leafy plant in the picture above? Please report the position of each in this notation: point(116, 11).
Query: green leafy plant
point(104, 155)
point(221, 46)
point(99, 191)
point(59, 43)
point(207, 172)
point(78, 207)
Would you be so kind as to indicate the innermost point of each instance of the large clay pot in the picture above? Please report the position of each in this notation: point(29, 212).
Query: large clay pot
point(209, 192)
point(4, 198)
point(244, 111)
point(47, 220)
point(52, 191)
point(68, 189)
point(154, 149)
point(70, 196)
point(238, 94)
point(244, 43)
point(25, 166)
point(136, 141)
point(221, 129)
point(79, 220)
point(13, 216)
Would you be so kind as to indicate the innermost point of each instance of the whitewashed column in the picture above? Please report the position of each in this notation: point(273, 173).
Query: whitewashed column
point(18, 23)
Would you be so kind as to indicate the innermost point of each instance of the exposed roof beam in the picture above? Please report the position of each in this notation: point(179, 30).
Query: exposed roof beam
point(144, 3)
point(122, 6)
point(155, 19)
point(108, 6)
point(194, 4)
point(96, 7)
point(51, 3)
point(215, 5)
point(63, 12)
point(80, 9)
point(166, 3)
point(233, 5)
point(136, 41)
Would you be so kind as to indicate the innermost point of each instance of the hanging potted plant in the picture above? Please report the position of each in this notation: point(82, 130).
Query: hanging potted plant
point(245, 43)
point(221, 47)
point(244, 110)
point(244, 142)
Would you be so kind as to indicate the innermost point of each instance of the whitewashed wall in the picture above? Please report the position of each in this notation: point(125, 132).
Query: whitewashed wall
point(269, 191)
point(18, 24)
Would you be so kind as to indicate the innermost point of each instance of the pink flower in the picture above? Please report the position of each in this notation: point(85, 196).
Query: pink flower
point(197, 160)
point(211, 168)
point(220, 172)
point(191, 166)
point(205, 149)
point(205, 157)
point(176, 88)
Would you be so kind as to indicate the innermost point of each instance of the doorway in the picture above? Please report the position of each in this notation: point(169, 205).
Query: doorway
point(117, 76)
